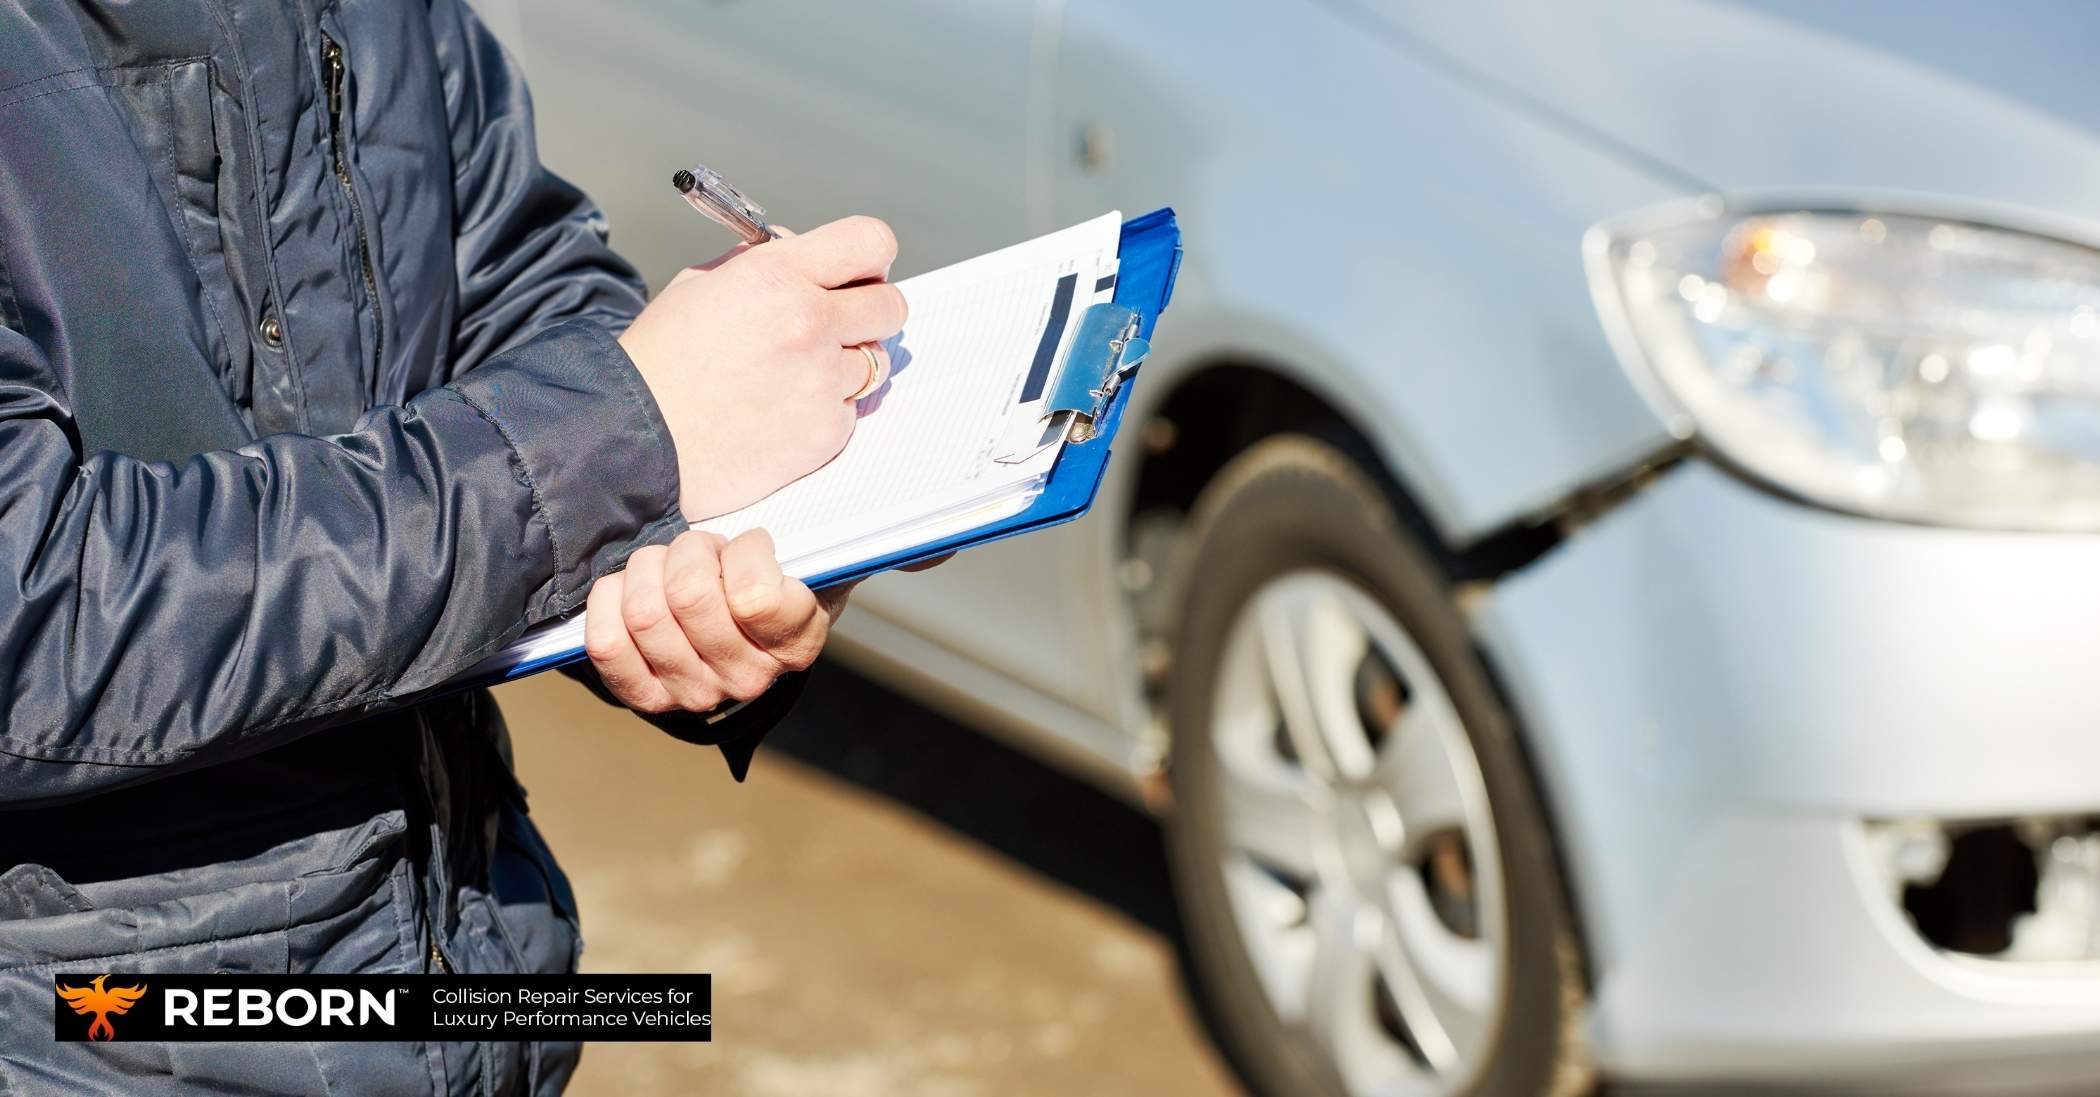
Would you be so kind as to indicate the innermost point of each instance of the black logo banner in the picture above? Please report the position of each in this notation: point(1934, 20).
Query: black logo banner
point(97, 1006)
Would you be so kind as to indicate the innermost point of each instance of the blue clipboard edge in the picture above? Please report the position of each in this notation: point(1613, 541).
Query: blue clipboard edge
point(1149, 259)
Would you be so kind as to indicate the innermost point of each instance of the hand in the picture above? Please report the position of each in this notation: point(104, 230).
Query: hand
point(703, 622)
point(753, 358)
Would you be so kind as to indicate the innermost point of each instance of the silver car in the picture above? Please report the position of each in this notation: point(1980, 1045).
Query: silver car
point(1600, 574)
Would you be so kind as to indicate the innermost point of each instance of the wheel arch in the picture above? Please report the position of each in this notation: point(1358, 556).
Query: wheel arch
point(1244, 400)
point(1239, 400)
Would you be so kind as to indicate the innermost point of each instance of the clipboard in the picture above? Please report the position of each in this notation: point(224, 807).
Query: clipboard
point(1089, 388)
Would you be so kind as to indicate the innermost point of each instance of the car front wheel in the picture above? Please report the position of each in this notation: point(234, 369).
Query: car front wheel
point(1368, 888)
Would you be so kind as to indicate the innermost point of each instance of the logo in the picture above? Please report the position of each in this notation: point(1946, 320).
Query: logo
point(102, 1003)
point(255, 1006)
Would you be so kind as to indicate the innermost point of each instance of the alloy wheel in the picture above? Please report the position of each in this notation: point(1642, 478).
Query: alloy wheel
point(1360, 856)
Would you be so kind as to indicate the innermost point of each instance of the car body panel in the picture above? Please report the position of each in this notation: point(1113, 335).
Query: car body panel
point(793, 105)
point(1410, 243)
point(1717, 687)
point(1953, 99)
point(1395, 317)
point(838, 128)
point(1412, 321)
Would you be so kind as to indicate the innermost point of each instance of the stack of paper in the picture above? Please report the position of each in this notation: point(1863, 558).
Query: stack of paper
point(968, 376)
point(955, 439)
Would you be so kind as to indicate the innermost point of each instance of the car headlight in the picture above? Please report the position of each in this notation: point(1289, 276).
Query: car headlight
point(1889, 364)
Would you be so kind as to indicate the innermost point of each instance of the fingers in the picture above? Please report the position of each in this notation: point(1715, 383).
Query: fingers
point(776, 613)
point(693, 592)
point(695, 270)
point(715, 263)
point(659, 634)
point(866, 314)
point(741, 617)
point(863, 375)
point(702, 622)
point(846, 250)
point(612, 651)
point(752, 582)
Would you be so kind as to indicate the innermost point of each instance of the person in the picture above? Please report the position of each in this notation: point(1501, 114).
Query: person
point(315, 389)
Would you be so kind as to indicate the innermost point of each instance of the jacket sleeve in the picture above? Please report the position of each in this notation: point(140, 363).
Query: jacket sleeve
point(533, 250)
point(157, 617)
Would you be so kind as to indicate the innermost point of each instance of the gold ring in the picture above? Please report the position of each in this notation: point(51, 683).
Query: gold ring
point(867, 351)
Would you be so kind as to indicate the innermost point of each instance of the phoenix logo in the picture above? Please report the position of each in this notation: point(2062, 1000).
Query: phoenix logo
point(103, 1003)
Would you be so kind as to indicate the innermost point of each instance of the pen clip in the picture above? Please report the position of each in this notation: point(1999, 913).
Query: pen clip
point(705, 190)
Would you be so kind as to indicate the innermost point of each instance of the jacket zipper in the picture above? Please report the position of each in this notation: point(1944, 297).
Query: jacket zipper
point(332, 58)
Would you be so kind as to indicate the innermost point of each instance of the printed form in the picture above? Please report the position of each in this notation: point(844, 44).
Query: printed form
point(954, 439)
point(968, 371)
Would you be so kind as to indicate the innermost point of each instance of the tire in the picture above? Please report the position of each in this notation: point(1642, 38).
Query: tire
point(1292, 521)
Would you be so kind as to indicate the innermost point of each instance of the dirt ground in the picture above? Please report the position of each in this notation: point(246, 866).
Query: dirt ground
point(891, 905)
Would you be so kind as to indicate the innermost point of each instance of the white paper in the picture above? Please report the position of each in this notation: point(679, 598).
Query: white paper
point(929, 438)
point(924, 461)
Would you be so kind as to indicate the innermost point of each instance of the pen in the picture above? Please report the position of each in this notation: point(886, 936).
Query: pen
point(708, 192)
point(705, 190)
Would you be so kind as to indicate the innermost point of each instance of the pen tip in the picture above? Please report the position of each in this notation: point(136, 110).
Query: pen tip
point(683, 180)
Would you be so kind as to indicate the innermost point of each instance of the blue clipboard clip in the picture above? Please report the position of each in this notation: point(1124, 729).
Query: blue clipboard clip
point(1105, 351)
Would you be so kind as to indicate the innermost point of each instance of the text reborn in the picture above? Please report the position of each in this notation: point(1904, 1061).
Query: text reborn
point(295, 1007)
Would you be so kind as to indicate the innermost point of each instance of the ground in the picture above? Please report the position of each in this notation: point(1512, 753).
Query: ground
point(890, 905)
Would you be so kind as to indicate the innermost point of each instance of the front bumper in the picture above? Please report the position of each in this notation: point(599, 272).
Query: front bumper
point(1718, 689)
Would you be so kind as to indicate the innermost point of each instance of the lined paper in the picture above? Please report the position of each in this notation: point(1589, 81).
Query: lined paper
point(968, 376)
point(963, 369)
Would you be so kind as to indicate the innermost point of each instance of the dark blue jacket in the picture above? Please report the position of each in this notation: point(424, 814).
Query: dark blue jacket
point(308, 399)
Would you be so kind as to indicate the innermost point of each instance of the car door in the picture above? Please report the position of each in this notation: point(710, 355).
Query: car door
point(912, 111)
point(919, 112)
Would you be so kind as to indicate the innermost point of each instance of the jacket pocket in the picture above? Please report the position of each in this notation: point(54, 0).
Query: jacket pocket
point(535, 910)
point(87, 158)
point(532, 896)
point(187, 126)
point(286, 909)
point(261, 915)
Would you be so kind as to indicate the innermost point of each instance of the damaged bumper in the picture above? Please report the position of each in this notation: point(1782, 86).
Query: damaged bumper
point(1767, 734)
